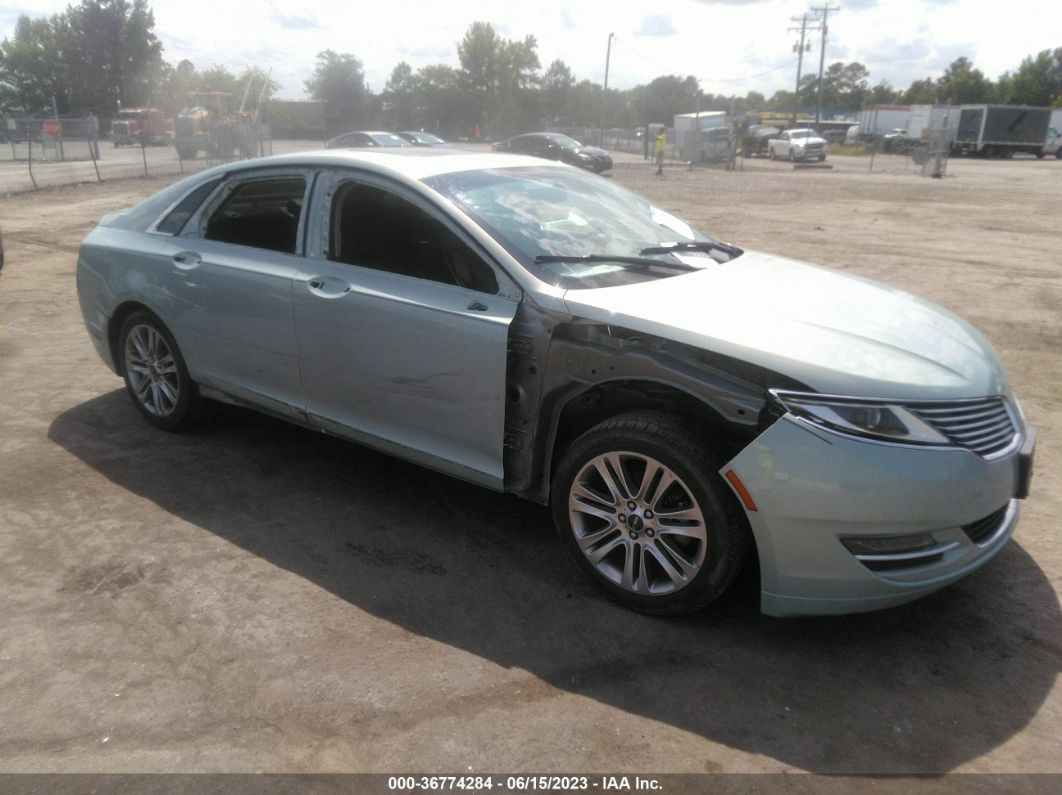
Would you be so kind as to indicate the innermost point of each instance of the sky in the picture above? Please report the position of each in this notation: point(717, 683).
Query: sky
point(731, 46)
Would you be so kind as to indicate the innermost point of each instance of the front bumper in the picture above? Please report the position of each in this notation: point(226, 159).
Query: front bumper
point(814, 490)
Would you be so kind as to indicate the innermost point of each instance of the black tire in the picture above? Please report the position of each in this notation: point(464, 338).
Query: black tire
point(187, 410)
point(821, 158)
point(792, 157)
point(669, 441)
point(1058, 154)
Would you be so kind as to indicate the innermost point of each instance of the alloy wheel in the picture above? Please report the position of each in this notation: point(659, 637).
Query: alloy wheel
point(637, 523)
point(152, 370)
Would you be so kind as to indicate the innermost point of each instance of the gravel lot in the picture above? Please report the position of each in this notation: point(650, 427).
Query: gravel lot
point(255, 597)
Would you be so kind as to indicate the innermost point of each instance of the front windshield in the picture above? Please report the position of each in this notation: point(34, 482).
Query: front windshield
point(537, 212)
point(799, 133)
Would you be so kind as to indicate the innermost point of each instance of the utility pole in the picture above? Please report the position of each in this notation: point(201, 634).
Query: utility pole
point(803, 20)
point(826, 9)
point(604, 92)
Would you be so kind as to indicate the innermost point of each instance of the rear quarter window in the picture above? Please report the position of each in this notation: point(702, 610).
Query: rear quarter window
point(173, 223)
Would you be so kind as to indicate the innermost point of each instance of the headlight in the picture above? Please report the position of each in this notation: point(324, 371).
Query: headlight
point(864, 418)
point(584, 156)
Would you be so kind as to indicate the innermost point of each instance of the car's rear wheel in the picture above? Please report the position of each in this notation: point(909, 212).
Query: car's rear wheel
point(642, 512)
point(156, 376)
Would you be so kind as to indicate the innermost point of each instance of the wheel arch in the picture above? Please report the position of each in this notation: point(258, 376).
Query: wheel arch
point(586, 406)
point(114, 328)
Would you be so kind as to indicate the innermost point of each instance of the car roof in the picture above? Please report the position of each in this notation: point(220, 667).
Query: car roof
point(415, 163)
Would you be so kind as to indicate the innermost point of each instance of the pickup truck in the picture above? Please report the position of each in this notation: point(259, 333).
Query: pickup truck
point(800, 144)
point(1053, 146)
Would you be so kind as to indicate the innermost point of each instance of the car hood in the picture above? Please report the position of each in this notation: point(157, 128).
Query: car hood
point(836, 333)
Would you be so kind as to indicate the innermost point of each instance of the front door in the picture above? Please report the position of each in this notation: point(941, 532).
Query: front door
point(402, 330)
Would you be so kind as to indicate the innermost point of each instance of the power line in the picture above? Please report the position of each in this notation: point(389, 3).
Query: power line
point(665, 71)
point(751, 77)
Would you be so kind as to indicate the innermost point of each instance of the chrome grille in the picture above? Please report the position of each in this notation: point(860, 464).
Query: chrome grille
point(984, 426)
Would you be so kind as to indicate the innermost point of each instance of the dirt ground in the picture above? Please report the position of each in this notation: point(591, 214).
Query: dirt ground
point(255, 597)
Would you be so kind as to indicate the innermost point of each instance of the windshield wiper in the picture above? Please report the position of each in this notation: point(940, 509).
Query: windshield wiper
point(699, 245)
point(643, 262)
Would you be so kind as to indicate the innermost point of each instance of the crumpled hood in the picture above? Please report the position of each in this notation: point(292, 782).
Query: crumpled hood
point(837, 333)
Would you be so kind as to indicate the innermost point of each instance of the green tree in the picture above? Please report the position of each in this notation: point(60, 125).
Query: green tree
point(338, 80)
point(844, 86)
point(90, 57)
point(883, 94)
point(516, 104)
point(30, 70)
point(963, 84)
point(478, 54)
point(558, 83)
point(920, 92)
point(1038, 80)
point(401, 98)
point(442, 105)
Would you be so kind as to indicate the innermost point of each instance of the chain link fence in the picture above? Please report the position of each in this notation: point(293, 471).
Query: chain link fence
point(40, 153)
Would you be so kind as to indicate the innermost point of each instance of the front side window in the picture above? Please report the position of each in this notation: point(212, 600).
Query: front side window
point(374, 228)
point(264, 213)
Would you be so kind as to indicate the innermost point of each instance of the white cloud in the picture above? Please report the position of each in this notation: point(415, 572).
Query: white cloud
point(732, 46)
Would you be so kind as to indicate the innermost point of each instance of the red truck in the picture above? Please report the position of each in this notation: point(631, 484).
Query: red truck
point(132, 123)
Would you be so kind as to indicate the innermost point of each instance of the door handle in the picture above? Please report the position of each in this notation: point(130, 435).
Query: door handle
point(476, 306)
point(327, 287)
point(186, 259)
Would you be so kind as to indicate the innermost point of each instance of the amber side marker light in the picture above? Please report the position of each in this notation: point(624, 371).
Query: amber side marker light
point(739, 487)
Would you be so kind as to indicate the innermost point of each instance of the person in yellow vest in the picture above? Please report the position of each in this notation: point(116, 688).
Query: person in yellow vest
point(661, 142)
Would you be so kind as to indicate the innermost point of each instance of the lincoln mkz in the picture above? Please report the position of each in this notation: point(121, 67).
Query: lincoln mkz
point(681, 403)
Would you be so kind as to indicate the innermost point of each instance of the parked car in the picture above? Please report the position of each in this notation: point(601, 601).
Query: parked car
point(679, 402)
point(1053, 145)
point(895, 140)
point(798, 144)
point(556, 146)
point(754, 142)
point(359, 140)
point(1, 249)
point(421, 138)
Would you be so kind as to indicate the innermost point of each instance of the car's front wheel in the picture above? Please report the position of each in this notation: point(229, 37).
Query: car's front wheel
point(642, 511)
point(156, 377)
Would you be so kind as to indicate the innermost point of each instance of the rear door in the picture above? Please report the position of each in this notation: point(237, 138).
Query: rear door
point(402, 325)
point(229, 277)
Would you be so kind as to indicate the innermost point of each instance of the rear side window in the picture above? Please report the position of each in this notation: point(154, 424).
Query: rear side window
point(173, 223)
point(261, 214)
